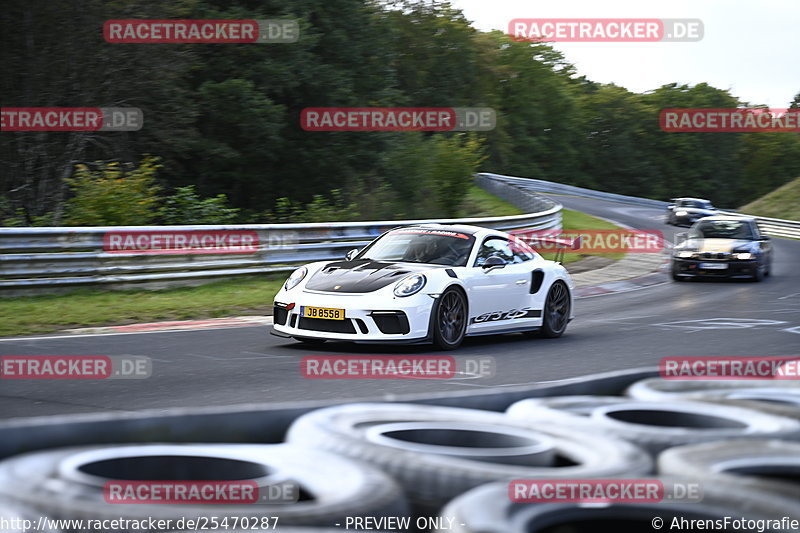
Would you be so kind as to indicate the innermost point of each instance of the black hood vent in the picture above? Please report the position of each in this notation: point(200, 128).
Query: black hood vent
point(360, 275)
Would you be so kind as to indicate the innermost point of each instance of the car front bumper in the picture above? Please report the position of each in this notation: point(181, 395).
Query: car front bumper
point(401, 320)
point(733, 269)
point(687, 220)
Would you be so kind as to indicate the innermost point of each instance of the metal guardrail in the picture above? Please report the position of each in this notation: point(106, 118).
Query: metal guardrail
point(531, 184)
point(775, 227)
point(36, 260)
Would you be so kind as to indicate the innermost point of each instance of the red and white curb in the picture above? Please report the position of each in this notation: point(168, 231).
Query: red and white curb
point(658, 277)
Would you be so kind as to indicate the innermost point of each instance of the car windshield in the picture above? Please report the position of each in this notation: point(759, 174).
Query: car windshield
point(722, 229)
point(692, 203)
point(417, 245)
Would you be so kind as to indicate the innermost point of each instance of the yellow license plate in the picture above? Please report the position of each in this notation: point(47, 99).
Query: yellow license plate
point(322, 312)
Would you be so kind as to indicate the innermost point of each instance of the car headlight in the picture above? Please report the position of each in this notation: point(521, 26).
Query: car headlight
point(685, 254)
point(296, 277)
point(681, 213)
point(409, 285)
point(743, 255)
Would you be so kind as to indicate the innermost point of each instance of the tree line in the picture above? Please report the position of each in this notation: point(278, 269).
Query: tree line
point(222, 139)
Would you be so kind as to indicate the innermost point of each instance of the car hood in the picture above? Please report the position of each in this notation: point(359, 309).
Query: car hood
point(361, 275)
point(715, 245)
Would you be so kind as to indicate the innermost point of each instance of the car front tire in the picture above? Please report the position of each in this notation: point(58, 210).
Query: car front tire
point(450, 320)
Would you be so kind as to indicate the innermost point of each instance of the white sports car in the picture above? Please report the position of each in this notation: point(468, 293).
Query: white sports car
point(427, 283)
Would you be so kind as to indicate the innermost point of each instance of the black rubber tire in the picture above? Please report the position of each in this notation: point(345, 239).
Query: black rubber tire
point(759, 275)
point(657, 389)
point(676, 277)
point(555, 320)
point(55, 485)
point(488, 509)
point(432, 477)
point(442, 338)
point(769, 467)
point(655, 426)
point(12, 514)
point(776, 397)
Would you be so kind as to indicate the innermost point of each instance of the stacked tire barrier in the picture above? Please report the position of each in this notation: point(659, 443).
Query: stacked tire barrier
point(411, 467)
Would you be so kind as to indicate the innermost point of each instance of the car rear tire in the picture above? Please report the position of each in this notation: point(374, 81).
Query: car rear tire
point(555, 316)
point(449, 320)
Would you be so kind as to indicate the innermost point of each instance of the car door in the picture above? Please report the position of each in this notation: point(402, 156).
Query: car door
point(498, 296)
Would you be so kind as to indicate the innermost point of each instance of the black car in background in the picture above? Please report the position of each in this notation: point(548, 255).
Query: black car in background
point(687, 211)
point(722, 246)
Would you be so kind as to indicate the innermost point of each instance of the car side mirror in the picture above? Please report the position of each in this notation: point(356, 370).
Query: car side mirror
point(351, 254)
point(671, 207)
point(494, 261)
point(681, 237)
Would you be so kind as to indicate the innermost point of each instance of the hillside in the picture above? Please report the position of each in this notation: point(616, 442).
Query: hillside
point(783, 202)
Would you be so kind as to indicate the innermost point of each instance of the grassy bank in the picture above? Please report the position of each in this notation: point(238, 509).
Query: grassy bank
point(783, 202)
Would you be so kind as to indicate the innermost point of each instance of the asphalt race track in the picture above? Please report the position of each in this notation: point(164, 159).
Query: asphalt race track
point(247, 365)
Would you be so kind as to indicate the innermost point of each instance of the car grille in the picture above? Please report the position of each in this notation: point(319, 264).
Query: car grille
point(718, 256)
point(328, 326)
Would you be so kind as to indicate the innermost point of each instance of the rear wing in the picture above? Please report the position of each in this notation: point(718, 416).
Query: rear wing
point(547, 244)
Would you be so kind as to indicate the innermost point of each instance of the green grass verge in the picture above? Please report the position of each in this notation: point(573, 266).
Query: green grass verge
point(480, 203)
point(244, 296)
point(85, 307)
point(580, 221)
point(783, 202)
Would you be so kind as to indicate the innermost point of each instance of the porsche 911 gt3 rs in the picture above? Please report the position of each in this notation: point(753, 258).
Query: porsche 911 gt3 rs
point(427, 283)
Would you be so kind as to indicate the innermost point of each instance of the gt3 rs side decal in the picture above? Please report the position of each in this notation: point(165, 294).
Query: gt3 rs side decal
point(513, 314)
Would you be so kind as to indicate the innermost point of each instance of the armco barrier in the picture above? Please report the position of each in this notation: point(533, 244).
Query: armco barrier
point(34, 260)
point(776, 227)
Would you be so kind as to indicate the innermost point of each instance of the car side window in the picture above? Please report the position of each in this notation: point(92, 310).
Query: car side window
point(755, 231)
point(500, 247)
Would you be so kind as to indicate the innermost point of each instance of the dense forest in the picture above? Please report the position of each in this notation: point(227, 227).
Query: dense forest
point(222, 140)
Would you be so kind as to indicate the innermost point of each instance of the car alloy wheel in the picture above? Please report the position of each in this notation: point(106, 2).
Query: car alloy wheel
point(451, 320)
